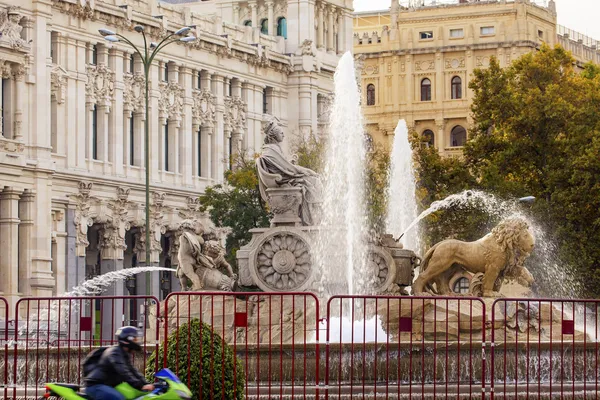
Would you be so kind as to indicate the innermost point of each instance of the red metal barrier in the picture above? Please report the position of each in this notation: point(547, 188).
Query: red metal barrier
point(4, 347)
point(53, 335)
point(405, 346)
point(545, 347)
point(274, 335)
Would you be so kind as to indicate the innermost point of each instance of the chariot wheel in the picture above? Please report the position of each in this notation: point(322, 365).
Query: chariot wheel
point(380, 268)
point(282, 261)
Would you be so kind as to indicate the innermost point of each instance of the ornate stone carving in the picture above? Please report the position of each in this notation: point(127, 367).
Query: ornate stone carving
point(307, 48)
point(482, 61)
point(100, 84)
point(235, 114)
point(371, 70)
point(11, 146)
point(117, 222)
point(201, 259)
point(454, 63)
point(381, 271)
point(170, 103)
point(133, 95)
point(203, 109)
point(157, 229)
point(282, 261)
point(84, 216)
point(10, 28)
point(58, 83)
point(426, 65)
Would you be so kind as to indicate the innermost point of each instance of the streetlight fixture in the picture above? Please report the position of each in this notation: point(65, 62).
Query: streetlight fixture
point(147, 55)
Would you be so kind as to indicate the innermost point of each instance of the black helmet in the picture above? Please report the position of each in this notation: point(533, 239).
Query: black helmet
point(129, 336)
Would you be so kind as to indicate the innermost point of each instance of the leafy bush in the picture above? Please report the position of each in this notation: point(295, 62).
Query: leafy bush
point(202, 360)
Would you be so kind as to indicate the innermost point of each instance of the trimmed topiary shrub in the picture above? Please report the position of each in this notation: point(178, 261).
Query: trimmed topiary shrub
point(203, 361)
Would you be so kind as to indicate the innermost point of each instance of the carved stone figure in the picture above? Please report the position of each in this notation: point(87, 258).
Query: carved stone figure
point(200, 261)
point(498, 255)
point(276, 172)
point(10, 29)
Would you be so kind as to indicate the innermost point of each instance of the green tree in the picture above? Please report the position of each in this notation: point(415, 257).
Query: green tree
point(202, 360)
point(236, 204)
point(536, 132)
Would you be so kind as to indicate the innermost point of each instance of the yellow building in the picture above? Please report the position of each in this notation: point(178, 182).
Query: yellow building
point(415, 62)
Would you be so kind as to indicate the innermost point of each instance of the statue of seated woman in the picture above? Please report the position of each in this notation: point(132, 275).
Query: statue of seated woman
point(275, 171)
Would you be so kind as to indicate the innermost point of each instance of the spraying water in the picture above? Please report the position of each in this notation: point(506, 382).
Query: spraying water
point(99, 284)
point(552, 277)
point(402, 203)
point(341, 241)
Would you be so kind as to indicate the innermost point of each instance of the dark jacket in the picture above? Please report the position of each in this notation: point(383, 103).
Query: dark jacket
point(114, 368)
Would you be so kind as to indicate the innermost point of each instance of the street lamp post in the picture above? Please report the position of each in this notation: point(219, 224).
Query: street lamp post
point(147, 55)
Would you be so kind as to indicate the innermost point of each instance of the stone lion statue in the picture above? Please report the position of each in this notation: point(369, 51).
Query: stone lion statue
point(498, 255)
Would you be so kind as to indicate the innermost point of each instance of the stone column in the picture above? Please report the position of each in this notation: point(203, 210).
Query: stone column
point(196, 153)
point(187, 131)
point(103, 113)
point(9, 243)
point(321, 26)
point(138, 138)
point(20, 92)
point(26, 232)
point(173, 139)
point(330, 44)
point(253, 7)
point(270, 22)
point(89, 106)
point(340, 33)
point(218, 144)
point(75, 263)
point(410, 81)
point(117, 129)
point(140, 250)
point(111, 254)
point(236, 14)
point(207, 144)
point(441, 139)
point(439, 79)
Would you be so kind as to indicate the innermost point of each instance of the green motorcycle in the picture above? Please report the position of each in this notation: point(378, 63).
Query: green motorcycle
point(169, 387)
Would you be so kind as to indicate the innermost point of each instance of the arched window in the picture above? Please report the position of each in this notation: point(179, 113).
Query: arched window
point(456, 88)
point(458, 136)
point(264, 26)
point(428, 138)
point(461, 286)
point(370, 94)
point(247, 22)
point(282, 27)
point(426, 90)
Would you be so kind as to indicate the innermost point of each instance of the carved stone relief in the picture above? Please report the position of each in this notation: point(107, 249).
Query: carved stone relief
point(116, 224)
point(84, 215)
point(454, 63)
point(100, 84)
point(424, 65)
point(11, 28)
point(157, 229)
point(58, 84)
point(203, 109)
point(170, 103)
point(133, 95)
point(235, 114)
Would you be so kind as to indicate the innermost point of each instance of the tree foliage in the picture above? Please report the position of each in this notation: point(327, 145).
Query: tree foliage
point(536, 132)
point(203, 361)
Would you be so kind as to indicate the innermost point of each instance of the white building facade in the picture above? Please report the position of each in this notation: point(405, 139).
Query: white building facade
point(72, 194)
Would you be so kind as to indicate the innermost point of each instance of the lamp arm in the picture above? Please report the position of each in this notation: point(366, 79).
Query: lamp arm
point(161, 46)
point(137, 50)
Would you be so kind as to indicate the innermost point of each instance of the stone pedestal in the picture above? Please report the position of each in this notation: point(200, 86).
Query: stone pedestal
point(285, 203)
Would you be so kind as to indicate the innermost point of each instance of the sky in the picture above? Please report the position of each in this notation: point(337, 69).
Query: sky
point(580, 15)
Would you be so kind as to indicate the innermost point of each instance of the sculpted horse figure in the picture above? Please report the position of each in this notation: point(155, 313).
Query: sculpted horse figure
point(498, 255)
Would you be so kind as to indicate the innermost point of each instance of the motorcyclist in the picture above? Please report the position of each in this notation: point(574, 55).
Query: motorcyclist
point(115, 367)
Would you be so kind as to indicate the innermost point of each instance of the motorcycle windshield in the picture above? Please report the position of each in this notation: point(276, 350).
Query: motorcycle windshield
point(167, 374)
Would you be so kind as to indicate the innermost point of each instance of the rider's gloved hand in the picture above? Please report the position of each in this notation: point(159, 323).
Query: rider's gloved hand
point(148, 388)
